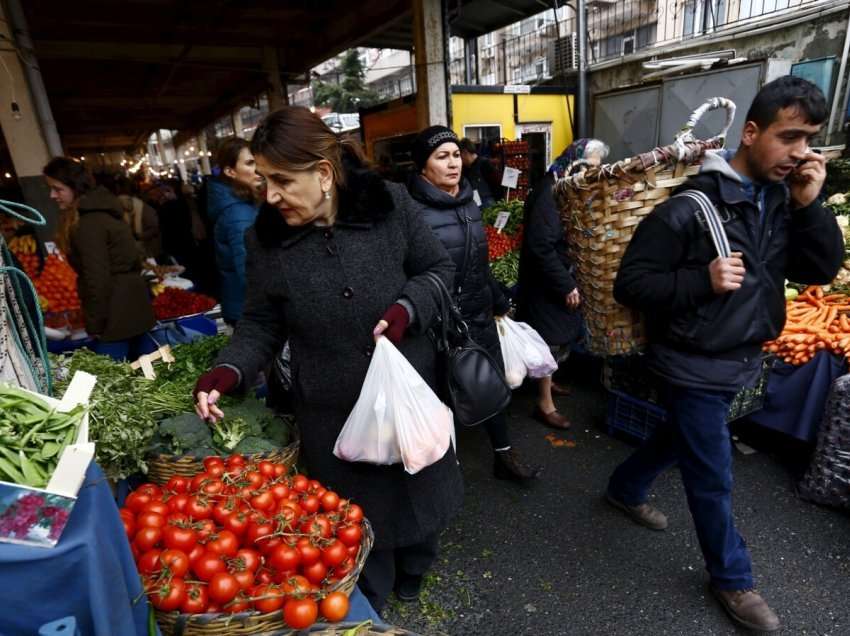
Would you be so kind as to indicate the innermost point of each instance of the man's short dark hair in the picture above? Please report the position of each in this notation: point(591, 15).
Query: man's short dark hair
point(784, 92)
point(469, 146)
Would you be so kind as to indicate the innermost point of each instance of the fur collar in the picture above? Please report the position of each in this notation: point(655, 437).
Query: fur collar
point(364, 200)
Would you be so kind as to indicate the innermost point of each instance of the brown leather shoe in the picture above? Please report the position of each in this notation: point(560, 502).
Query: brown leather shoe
point(748, 608)
point(558, 389)
point(643, 514)
point(552, 420)
point(508, 465)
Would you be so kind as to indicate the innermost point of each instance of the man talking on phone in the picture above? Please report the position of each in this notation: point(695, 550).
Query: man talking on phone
point(707, 316)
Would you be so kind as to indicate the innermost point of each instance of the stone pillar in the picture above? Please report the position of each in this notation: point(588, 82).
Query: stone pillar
point(202, 147)
point(277, 95)
point(429, 45)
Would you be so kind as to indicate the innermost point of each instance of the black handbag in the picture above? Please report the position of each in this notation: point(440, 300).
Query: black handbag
point(473, 384)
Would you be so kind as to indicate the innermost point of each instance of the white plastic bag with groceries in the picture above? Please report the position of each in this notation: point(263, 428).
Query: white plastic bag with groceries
point(397, 418)
point(524, 352)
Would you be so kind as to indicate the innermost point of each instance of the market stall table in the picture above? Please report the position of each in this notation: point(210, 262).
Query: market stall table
point(89, 574)
point(796, 396)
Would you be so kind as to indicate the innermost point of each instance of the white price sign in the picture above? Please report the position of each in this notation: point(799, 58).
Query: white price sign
point(510, 177)
point(50, 247)
point(502, 219)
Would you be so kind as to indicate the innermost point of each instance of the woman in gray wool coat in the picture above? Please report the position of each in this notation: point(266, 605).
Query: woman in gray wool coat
point(337, 257)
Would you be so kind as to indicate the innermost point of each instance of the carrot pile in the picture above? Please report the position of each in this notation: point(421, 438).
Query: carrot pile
point(815, 322)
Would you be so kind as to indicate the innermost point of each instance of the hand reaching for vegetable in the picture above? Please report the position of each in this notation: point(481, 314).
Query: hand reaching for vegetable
point(727, 274)
point(393, 323)
point(210, 387)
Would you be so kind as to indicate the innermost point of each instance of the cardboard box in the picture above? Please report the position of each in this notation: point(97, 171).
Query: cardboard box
point(38, 516)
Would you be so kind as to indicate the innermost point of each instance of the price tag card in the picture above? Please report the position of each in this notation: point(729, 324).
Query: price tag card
point(50, 247)
point(502, 219)
point(476, 197)
point(510, 177)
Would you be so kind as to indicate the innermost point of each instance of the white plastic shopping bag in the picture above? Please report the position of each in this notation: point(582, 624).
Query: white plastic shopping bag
point(524, 352)
point(397, 418)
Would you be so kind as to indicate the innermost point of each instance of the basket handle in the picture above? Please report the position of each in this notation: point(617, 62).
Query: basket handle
point(715, 103)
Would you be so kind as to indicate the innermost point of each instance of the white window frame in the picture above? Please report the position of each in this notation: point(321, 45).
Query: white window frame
point(482, 125)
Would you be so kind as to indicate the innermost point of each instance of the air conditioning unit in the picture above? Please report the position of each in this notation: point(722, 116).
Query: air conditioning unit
point(563, 54)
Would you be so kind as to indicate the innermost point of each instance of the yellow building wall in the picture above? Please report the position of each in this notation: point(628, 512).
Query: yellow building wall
point(492, 109)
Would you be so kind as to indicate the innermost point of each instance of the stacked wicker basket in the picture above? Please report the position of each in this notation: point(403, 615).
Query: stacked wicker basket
point(602, 206)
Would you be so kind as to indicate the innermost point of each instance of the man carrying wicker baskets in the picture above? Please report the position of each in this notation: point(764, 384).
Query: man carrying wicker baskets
point(708, 315)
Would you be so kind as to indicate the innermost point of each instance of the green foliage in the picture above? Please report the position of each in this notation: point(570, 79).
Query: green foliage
point(515, 207)
point(351, 93)
point(506, 269)
point(837, 177)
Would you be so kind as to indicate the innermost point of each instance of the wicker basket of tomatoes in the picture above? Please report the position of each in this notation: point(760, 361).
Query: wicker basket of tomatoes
point(164, 466)
point(245, 548)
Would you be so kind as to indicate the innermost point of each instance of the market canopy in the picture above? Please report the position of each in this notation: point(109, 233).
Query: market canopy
point(116, 71)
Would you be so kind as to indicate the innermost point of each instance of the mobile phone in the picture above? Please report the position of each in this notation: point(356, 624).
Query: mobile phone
point(817, 151)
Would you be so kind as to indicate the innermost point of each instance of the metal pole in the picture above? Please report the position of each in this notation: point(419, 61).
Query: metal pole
point(467, 60)
point(581, 84)
point(39, 93)
point(836, 98)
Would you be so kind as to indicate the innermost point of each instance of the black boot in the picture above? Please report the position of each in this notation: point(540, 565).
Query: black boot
point(507, 465)
point(408, 587)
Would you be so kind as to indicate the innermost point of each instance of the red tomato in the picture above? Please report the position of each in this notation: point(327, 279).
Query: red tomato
point(151, 490)
point(136, 501)
point(199, 480)
point(354, 514)
point(148, 563)
point(264, 576)
point(297, 509)
point(256, 531)
point(255, 479)
point(264, 501)
point(344, 568)
point(208, 565)
point(319, 525)
point(353, 551)
point(178, 538)
point(176, 561)
point(250, 559)
point(300, 483)
point(212, 487)
point(236, 460)
point(310, 554)
point(178, 518)
point(244, 578)
point(334, 607)
point(224, 509)
point(300, 613)
point(330, 501)
point(237, 523)
point(334, 554)
point(314, 486)
point(295, 585)
point(223, 587)
point(177, 484)
point(177, 503)
point(212, 460)
point(126, 513)
point(147, 538)
point(279, 470)
point(267, 605)
point(284, 558)
point(311, 504)
point(195, 553)
point(224, 543)
point(158, 507)
point(241, 603)
point(267, 545)
point(169, 595)
point(279, 491)
point(205, 529)
point(150, 520)
point(266, 469)
point(199, 507)
point(316, 573)
point(349, 535)
point(129, 526)
point(197, 600)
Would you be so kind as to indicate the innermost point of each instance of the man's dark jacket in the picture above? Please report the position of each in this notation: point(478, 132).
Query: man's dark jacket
point(701, 339)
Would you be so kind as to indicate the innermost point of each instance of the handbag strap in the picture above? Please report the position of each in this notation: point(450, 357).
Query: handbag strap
point(449, 314)
point(712, 219)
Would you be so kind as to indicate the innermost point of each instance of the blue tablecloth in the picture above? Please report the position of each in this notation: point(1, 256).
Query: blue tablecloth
point(89, 574)
point(796, 396)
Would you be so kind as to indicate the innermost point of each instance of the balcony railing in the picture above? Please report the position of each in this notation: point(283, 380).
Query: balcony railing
point(615, 28)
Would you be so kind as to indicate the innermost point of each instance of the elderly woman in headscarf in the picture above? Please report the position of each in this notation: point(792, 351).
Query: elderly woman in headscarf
point(549, 298)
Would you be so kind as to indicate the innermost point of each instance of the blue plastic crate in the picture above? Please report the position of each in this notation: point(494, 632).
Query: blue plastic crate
point(633, 417)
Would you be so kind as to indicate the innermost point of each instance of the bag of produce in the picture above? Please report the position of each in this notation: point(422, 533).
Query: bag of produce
point(524, 352)
point(397, 418)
